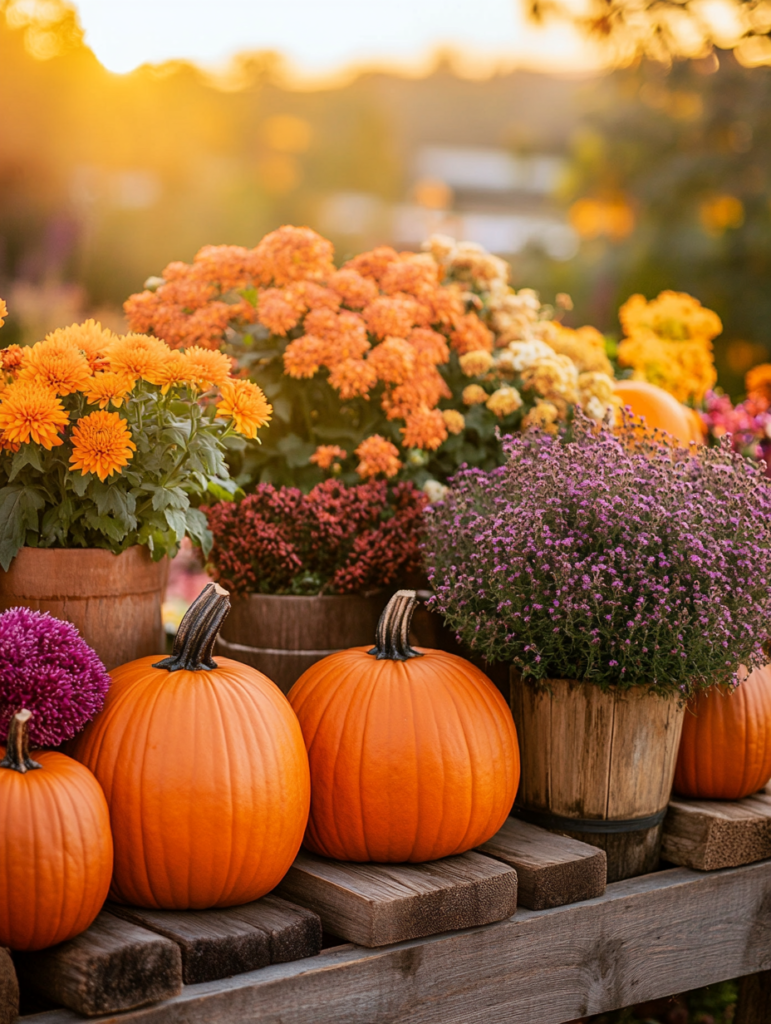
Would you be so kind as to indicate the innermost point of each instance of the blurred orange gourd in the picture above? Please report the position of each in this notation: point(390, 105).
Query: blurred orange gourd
point(661, 410)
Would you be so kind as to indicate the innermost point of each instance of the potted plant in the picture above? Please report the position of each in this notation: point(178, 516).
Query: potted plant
point(107, 442)
point(310, 573)
point(618, 576)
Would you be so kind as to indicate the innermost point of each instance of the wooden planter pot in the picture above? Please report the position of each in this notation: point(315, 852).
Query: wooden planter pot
point(597, 766)
point(113, 600)
point(281, 636)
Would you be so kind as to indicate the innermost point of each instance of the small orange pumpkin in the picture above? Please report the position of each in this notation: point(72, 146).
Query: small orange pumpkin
point(413, 753)
point(661, 410)
point(55, 848)
point(205, 773)
point(725, 749)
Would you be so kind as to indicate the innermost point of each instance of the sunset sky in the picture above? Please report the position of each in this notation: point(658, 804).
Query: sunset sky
point(319, 37)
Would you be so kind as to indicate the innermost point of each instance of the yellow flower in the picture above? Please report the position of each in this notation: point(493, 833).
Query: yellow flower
point(758, 382)
point(57, 364)
point(245, 403)
point(205, 367)
point(101, 444)
point(137, 355)
point(30, 411)
point(474, 394)
point(326, 454)
point(108, 387)
point(474, 364)
point(3, 312)
point(543, 416)
point(504, 401)
point(553, 378)
point(376, 455)
point(674, 316)
point(585, 347)
point(595, 385)
point(454, 420)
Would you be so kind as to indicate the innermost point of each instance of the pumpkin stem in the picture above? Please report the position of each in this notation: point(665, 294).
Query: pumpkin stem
point(392, 637)
point(17, 753)
point(198, 630)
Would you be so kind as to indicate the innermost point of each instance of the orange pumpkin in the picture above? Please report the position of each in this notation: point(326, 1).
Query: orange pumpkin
point(725, 750)
point(55, 848)
point(661, 410)
point(205, 773)
point(413, 753)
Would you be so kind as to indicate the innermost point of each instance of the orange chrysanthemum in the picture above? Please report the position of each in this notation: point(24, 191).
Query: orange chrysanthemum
point(430, 344)
point(471, 335)
point(424, 429)
point(276, 313)
point(246, 405)
point(230, 266)
point(108, 388)
point(353, 378)
point(390, 316)
point(12, 358)
point(90, 338)
point(393, 360)
point(173, 372)
point(415, 274)
point(137, 355)
point(6, 445)
point(376, 455)
point(422, 391)
point(30, 411)
point(101, 444)
point(3, 312)
point(355, 290)
point(445, 306)
point(373, 264)
point(326, 454)
point(344, 335)
point(303, 356)
point(308, 295)
point(291, 253)
point(57, 364)
point(757, 382)
point(206, 368)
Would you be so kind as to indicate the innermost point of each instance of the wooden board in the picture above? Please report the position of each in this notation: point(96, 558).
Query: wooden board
point(711, 834)
point(219, 943)
point(754, 1003)
point(551, 869)
point(377, 904)
point(645, 939)
point(9, 989)
point(114, 965)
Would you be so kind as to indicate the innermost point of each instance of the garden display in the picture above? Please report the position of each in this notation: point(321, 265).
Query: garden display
point(413, 753)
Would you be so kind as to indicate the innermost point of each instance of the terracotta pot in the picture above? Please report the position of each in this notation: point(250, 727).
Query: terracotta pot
point(281, 636)
point(598, 766)
point(113, 600)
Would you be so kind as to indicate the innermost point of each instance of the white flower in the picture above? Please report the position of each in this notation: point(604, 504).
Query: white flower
point(434, 490)
point(524, 354)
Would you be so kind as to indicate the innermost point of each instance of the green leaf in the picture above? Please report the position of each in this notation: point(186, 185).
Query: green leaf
point(225, 490)
point(79, 483)
point(177, 522)
point(169, 497)
point(27, 455)
point(12, 524)
point(105, 524)
point(198, 529)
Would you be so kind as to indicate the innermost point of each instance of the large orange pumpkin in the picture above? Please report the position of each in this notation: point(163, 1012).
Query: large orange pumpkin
point(55, 847)
point(205, 772)
point(661, 410)
point(725, 749)
point(413, 752)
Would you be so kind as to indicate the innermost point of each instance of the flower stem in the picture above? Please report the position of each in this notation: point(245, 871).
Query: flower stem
point(17, 753)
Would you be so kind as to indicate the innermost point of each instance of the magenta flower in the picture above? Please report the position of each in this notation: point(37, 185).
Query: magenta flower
point(47, 667)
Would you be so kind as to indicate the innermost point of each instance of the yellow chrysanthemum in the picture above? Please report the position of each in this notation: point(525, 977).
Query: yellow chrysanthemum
point(454, 421)
point(30, 411)
point(474, 364)
point(137, 355)
point(101, 444)
point(246, 405)
point(3, 312)
point(543, 416)
point(206, 368)
point(474, 394)
point(57, 364)
point(504, 401)
point(108, 388)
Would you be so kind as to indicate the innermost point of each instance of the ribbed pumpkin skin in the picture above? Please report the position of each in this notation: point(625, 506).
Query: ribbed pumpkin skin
point(206, 777)
point(55, 852)
point(660, 409)
point(410, 760)
point(725, 750)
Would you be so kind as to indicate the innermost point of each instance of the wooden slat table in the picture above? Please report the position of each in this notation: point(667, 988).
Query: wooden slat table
point(645, 938)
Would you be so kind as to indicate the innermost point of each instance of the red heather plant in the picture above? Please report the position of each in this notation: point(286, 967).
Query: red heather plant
point(334, 540)
point(608, 559)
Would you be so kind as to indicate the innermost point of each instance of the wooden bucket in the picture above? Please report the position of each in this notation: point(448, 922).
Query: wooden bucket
point(281, 635)
point(598, 766)
point(113, 600)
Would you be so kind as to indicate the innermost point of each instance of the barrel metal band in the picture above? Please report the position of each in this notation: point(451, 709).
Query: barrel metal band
point(596, 826)
point(229, 645)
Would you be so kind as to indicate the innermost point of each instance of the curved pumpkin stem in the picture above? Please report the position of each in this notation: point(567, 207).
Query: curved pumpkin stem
point(17, 753)
point(197, 633)
point(392, 637)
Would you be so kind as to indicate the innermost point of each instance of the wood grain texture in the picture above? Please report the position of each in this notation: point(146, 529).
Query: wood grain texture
point(645, 939)
point(114, 965)
point(711, 834)
point(552, 870)
point(219, 943)
point(377, 904)
point(626, 746)
point(9, 989)
point(754, 1003)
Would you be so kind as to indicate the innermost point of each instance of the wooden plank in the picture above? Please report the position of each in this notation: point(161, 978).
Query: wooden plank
point(9, 989)
point(219, 943)
point(711, 834)
point(114, 965)
point(645, 939)
point(377, 904)
point(551, 869)
point(754, 1003)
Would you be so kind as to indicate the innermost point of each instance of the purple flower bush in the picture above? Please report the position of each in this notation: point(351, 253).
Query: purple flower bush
point(47, 667)
point(611, 559)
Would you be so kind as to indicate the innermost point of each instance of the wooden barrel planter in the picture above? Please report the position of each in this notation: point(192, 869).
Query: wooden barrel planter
point(113, 600)
point(281, 635)
point(597, 766)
